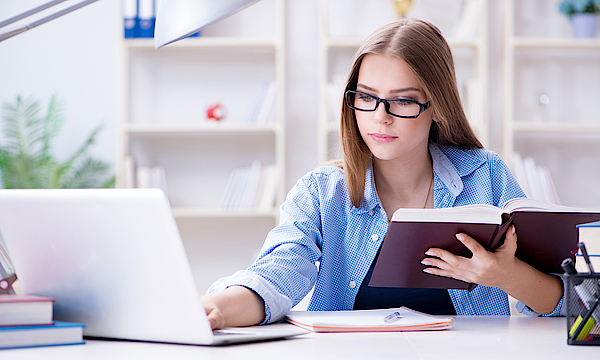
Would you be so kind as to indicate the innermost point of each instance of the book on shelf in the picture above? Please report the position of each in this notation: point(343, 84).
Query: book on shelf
point(151, 177)
point(395, 319)
point(589, 234)
point(546, 235)
point(25, 310)
point(256, 101)
point(535, 180)
point(58, 333)
point(266, 107)
point(251, 187)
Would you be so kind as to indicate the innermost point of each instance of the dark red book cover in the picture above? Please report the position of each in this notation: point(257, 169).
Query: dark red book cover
point(544, 239)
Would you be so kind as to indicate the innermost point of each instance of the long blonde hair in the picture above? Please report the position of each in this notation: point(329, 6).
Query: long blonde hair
point(422, 46)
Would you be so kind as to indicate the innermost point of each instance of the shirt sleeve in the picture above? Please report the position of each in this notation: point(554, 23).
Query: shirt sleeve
point(285, 270)
point(505, 186)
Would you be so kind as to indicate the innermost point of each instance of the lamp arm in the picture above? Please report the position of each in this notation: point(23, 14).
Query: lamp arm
point(17, 31)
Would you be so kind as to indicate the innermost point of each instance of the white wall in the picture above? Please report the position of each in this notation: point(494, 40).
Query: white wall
point(74, 57)
point(77, 58)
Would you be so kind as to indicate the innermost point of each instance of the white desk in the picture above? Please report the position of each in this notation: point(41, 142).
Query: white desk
point(506, 338)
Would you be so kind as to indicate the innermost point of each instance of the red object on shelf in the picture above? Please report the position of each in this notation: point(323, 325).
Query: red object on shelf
point(215, 112)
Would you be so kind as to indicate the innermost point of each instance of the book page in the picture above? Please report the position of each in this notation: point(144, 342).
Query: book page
point(474, 214)
point(524, 204)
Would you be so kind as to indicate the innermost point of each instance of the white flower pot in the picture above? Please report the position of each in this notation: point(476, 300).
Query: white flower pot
point(584, 25)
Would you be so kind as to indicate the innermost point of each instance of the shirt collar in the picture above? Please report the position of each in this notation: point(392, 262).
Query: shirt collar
point(447, 174)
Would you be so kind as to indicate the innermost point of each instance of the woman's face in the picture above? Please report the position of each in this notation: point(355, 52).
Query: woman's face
point(387, 136)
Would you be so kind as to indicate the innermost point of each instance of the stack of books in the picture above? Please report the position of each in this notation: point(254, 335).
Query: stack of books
point(589, 234)
point(26, 321)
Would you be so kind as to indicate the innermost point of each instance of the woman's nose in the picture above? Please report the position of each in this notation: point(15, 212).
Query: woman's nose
point(380, 114)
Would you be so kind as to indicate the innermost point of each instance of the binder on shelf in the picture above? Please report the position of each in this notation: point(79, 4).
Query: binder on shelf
point(147, 18)
point(130, 18)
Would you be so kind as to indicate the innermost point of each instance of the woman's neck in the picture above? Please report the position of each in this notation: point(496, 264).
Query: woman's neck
point(404, 182)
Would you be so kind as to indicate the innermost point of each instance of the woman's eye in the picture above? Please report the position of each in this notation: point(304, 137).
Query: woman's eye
point(365, 98)
point(403, 102)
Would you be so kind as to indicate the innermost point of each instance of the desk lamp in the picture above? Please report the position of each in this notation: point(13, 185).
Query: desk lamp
point(175, 20)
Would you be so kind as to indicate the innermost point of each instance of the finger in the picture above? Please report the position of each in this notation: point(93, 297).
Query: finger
point(459, 275)
point(471, 244)
point(445, 256)
point(216, 319)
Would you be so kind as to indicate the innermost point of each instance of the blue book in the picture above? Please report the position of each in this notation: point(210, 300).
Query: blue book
point(59, 333)
point(130, 10)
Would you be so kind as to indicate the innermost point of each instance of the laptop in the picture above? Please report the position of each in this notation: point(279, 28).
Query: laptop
point(113, 259)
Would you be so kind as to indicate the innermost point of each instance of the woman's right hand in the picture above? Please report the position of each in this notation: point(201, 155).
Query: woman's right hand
point(213, 313)
point(235, 306)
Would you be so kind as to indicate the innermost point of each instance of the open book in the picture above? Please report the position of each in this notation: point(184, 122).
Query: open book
point(396, 319)
point(546, 235)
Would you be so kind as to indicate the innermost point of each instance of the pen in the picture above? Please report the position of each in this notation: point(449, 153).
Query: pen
point(584, 323)
point(394, 317)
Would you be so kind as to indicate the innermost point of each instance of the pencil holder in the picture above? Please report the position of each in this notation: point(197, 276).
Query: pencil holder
point(582, 299)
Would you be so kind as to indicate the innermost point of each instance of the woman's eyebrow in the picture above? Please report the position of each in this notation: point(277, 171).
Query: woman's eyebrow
point(392, 91)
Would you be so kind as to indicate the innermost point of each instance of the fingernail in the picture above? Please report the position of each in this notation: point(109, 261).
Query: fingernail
point(426, 270)
point(461, 237)
point(512, 229)
point(430, 253)
point(425, 262)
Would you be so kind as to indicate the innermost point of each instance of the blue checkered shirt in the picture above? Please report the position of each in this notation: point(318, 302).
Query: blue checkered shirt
point(322, 240)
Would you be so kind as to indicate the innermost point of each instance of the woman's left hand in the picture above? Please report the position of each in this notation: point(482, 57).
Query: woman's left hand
point(484, 267)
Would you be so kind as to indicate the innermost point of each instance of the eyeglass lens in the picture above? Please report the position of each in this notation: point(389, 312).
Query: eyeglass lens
point(399, 107)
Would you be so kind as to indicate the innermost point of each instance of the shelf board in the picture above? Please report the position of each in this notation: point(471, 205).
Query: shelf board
point(199, 129)
point(204, 42)
point(549, 127)
point(555, 43)
point(194, 213)
point(355, 42)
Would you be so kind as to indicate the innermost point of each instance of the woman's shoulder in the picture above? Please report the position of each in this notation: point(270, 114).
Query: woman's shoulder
point(456, 154)
point(328, 172)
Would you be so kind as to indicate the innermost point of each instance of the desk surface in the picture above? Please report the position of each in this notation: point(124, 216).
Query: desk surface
point(515, 337)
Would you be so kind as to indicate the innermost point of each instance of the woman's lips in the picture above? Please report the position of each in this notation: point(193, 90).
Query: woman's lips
point(382, 138)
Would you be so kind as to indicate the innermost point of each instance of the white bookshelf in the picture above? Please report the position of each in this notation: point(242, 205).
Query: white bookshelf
point(335, 56)
point(540, 58)
point(156, 112)
point(164, 96)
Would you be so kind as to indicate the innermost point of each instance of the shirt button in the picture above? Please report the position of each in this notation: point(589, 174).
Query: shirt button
point(382, 211)
point(352, 284)
point(370, 212)
point(374, 237)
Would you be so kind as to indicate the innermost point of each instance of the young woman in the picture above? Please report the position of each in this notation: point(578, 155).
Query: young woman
point(406, 144)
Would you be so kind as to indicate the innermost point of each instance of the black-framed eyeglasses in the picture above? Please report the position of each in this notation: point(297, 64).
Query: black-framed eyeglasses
point(402, 108)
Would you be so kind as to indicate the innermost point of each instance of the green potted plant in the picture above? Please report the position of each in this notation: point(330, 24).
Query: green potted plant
point(583, 15)
point(26, 159)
